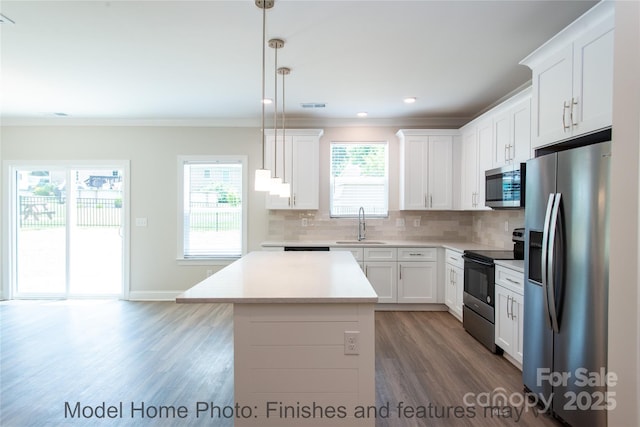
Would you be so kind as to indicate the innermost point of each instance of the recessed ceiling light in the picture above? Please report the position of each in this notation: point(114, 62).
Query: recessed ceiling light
point(362, 114)
point(267, 101)
point(410, 100)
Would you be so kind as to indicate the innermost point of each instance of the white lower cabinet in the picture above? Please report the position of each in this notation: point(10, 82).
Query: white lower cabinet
point(383, 277)
point(509, 303)
point(403, 275)
point(381, 268)
point(418, 276)
point(418, 282)
point(454, 282)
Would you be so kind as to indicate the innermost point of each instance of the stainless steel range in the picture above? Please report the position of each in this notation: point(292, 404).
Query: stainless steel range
point(479, 289)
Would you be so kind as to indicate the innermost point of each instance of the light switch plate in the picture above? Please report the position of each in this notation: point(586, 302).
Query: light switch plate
point(141, 222)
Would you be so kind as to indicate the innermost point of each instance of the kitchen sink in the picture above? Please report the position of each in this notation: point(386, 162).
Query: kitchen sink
point(360, 242)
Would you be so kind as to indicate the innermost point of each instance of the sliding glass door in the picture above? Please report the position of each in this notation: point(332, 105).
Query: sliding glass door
point(68, 230)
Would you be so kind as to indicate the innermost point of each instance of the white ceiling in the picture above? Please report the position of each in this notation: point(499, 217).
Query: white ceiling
point(201, 60)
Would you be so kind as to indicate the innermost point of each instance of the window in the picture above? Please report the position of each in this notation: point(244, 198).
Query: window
point(359, 178)
point(213, 210)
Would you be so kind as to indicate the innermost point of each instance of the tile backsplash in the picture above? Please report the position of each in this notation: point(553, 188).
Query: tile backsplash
point(480, 227)
point(494, 228)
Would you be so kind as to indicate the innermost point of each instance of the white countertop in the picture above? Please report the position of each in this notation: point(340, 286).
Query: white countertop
point(514, 264)
point(286, 277)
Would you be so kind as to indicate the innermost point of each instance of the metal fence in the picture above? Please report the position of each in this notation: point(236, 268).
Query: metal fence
point(214, 217)
point(50, 211)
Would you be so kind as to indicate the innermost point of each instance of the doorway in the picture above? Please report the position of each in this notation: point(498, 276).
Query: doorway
point(69, 230)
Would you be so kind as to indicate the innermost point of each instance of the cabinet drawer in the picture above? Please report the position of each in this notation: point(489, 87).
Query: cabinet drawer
point(358, 253)
point(454, 258)
point(510, 279)
point(380, 254)
point(417, 254)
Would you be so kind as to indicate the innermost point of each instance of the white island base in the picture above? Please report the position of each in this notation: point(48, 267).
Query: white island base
point(296, 318)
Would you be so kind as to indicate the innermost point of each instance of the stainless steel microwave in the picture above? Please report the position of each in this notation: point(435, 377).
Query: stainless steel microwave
point(505, 186)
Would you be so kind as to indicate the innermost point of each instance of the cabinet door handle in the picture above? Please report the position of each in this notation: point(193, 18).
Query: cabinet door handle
point(425, 200)
point(508, 303)
point(564, 114)
point(574, 103)
point(512, 153)
point(506, 153)
point(430, 200)
point(513, 316)
point(508, 279)
point(294, 199)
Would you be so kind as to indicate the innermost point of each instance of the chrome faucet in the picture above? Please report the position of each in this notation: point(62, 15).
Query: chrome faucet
point(362, 225)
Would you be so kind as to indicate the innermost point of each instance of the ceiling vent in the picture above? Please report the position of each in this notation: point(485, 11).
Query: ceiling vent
point(313, 105)
point(5, 20)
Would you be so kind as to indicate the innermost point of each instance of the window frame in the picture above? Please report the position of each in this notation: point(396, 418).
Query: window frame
point(194, 159)
point(386, 178)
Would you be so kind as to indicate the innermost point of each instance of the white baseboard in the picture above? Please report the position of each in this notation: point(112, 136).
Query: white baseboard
point(153, 295)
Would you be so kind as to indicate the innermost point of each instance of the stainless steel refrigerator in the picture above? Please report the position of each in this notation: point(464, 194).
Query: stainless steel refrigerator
point(567, 279)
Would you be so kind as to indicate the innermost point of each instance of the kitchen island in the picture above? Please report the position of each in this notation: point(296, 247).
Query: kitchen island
point(303, 338)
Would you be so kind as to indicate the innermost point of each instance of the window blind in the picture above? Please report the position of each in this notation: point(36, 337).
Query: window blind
point(212, 208)
point(359, 178)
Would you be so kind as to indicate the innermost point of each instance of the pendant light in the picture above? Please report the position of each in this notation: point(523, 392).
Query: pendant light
point(263, 175)
point(276, 181)
point(284, 190)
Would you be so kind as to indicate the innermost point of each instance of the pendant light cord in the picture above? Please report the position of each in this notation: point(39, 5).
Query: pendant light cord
point(264, 44)
point(275, 115)
point(284, 159)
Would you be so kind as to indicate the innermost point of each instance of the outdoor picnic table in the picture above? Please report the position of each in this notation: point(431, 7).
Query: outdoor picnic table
point(35, 209)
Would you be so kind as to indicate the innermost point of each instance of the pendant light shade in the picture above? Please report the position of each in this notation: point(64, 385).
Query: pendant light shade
point(262, 180)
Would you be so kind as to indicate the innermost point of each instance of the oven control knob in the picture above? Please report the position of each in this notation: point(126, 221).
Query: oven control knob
point(488, 299)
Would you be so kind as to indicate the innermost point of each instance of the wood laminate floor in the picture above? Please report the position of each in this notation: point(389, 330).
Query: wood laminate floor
point(160, 356)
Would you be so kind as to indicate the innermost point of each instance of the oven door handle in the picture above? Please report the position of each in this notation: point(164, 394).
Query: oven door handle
point(488, 264)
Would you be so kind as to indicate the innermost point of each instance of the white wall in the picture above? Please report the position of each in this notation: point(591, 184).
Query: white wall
point(624, 298)
point(153, 153)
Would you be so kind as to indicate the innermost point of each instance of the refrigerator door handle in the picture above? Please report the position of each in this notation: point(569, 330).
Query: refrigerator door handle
point(551, 288)
point(545, 259)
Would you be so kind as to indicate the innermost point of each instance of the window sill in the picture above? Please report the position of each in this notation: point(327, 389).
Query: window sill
point(206, 261)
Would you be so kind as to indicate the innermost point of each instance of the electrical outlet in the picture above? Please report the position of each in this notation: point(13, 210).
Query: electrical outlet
point(399, 222)
point(304, 222)
point(416, 222)
point(351, 342)
point(141, 222)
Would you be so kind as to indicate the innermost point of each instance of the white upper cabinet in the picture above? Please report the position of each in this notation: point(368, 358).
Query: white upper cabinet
point(475, 158)
point(426, 169)
point(296, 159)
point(573, 78)
point(512, 131)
